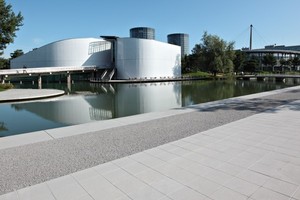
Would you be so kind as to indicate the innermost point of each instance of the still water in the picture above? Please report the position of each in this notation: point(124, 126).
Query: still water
point(86, 102)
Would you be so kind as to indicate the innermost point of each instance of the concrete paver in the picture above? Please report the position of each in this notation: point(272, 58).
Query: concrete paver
point(257, 157)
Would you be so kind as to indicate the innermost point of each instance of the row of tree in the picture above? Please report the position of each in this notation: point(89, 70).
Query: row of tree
point(215, 55)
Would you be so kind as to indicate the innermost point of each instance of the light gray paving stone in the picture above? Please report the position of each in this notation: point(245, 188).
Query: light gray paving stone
point(146, 193)
point(10, 196)
point(117, 176)
point(66, 188)
point(204, 186)
point(36, 192)
point(165, 198)
point(150, 176)
point(191, 166)
point(211, 162)
point(125, 197)
point(266, 194)
point(186, 145)
point(147, 159)
point(280, 186)
point(227, 194)
point(162, 154)
point(105, 168)
point(241, 186)
point(179, 151)
point(218, 177)
point(296, 195)
point(193, 156)
point(135, 168)
point(187, 193)
point(130, 184)
point(99, 188)
point(253, 177)
point(166, 186)
point(85, 174)
point(288, 173)
point(208, 152)
point(230, 169)
point(86, 197)
point(180, 175)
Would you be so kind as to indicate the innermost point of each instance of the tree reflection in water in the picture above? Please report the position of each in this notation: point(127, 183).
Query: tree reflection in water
point(2, 127)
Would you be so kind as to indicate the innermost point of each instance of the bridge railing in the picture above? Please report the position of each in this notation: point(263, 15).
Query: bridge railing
point(44, 70)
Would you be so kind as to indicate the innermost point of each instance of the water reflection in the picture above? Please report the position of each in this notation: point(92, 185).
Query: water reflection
point(100, 103)
point(205, 91)
point(2, 127)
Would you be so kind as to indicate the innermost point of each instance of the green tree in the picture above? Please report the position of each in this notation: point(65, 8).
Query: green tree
point(9, 24)
point(4, 63)
point(251, 65)
point(16, 53)
point(185, 64)
point(239, 60)
point(213, 54)
point(269, 60)
point(295, 62)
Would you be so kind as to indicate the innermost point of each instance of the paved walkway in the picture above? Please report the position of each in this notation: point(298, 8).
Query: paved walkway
point(254, 157)
point(28, 94)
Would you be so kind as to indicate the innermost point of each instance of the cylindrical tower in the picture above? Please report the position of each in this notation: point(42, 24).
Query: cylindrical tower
point(142, 32)
point(180, 39)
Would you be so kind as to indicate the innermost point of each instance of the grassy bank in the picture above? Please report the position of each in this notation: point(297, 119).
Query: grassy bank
point(199, 74)
point(6, 86)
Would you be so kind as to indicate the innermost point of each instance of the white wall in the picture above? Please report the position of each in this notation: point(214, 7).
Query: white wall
point(70, 52)
point(140, 58)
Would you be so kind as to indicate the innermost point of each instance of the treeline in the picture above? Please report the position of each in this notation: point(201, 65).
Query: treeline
point(214, 55)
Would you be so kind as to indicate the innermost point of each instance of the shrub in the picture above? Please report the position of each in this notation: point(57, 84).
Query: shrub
point(6, 86)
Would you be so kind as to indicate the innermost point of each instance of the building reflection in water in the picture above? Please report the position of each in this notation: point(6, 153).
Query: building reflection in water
point(109, 102)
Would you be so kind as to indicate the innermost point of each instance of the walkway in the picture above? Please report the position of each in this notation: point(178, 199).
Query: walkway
point(240, 148)
point(28, 94)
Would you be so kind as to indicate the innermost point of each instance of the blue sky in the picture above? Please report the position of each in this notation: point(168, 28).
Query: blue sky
point(274, 21)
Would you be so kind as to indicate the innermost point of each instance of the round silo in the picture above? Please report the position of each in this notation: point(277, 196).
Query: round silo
point(142, 32)
point(180, 39)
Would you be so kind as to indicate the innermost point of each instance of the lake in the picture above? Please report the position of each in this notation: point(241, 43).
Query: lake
point(86, 102)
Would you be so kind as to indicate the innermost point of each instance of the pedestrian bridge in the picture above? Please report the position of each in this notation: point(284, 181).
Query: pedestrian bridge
point(263, 77)
point(4, 74)
point(46, 70)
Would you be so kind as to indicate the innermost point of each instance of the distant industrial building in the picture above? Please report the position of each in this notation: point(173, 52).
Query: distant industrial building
point(139, 56)
point(280, 52)
point(142, 33)
point(180, 39)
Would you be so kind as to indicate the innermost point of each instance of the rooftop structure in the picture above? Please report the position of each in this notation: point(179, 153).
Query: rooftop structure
point(143, 33)
point(180, 39)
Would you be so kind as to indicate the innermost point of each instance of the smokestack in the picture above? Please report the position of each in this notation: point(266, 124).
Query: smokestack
point(250, 47)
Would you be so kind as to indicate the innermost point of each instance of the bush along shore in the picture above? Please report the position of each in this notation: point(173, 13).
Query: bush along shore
point(6, 86)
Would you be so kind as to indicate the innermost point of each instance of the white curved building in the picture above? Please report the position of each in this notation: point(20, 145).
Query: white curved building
point(140, 58)
point(69, 52)
point(132, 58)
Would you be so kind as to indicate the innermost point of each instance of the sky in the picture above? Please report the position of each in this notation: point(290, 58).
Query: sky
point(274, 21)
